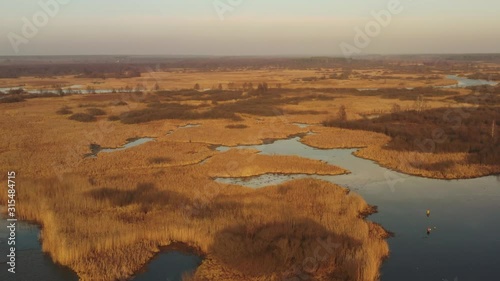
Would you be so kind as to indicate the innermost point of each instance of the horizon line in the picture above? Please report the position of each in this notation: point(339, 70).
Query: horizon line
point(249, 55)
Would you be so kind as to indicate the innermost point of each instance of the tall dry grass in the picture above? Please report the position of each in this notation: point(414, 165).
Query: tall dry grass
point(108, 233)
point(444, 143)
point(107, 217)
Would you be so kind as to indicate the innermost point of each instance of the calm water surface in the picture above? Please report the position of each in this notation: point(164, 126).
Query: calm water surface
point(465, 215)
point(170, 266)
point(130, 144)
point(31, 263)
point(464, 244)
point(463, 82)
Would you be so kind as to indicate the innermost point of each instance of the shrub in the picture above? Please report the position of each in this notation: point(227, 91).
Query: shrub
point(11, 99)
point(117, 103)
point(160, 160)
point(440, 130)
point(113, 118)
point(16, 91)
point(236, 126)
point(87, 105)
point(96, 111)
point(83, 117)
point(64, 111)
point(162, 111)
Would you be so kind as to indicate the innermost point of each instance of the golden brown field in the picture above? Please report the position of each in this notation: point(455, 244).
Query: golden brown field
point(186, 79)
point(373, 148)
point(106, 217)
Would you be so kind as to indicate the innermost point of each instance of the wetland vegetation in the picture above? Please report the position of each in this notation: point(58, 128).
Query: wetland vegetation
point(108, 225)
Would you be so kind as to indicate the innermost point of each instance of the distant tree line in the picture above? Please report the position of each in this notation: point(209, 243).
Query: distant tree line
point(469, 130)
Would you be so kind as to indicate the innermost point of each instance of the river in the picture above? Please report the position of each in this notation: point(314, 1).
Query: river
point(464, 242)
point(461, 83)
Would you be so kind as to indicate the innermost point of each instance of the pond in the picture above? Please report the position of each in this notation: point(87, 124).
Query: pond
point(31, 262)
point(463, 82)
point(96, 149)
point(302, 125)
point(464, 241)
point(187, 126)
point(170, 265)
point(73, 89)
point(367, 89)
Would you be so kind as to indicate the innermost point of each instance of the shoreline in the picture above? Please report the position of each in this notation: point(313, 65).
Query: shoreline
point(174, 246)
point(360, 148)
point(39, 226)
point(357, 148)
point(423, 176)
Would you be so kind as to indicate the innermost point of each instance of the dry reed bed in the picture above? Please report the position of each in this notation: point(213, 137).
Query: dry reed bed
point(247, 163)
point(155, 154)
point(215, 132)
point(186, 80)
point(431, 165)
point(329, 138)
point(108, 216)
point(233, 163)
point(108, 233)
point(39, 142)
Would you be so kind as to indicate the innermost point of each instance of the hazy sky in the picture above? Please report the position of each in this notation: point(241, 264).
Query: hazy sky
point(254, 27)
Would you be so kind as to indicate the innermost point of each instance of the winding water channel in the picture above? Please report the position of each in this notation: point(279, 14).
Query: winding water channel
point(462, 82)
point(464, 242)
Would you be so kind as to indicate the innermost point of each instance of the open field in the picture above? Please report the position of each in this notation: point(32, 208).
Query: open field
point(231, 80)
point(130, 73)
point(106, 217)
point(163, 191)
point(167, 195)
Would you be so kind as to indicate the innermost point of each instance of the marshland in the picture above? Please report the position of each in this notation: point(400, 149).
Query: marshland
point(255, 168)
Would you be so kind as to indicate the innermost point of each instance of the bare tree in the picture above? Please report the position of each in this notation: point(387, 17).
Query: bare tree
point(90, 90)
point(140, 88)
point(156, 87)
point(395, 108)
point(420, 104)
point(342, 114)
point(262, 87)
point(493, 129)
point(346, 73)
